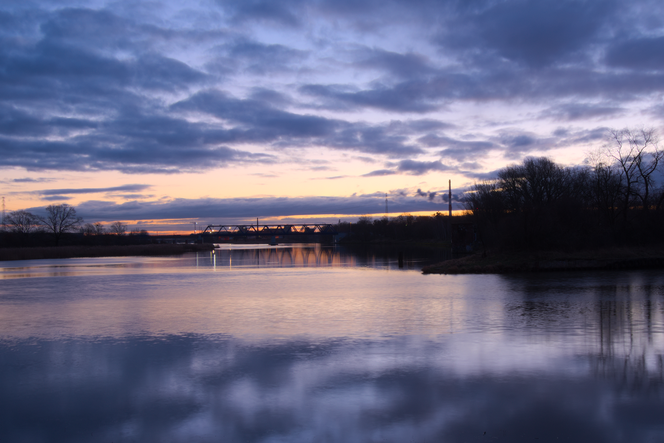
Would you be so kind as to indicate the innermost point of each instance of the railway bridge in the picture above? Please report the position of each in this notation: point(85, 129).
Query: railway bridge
point(273, 233)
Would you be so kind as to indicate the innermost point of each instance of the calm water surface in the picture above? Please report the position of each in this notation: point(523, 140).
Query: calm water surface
point(314, 344)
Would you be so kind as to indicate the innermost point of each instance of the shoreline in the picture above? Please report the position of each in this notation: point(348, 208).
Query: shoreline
point(495, 262)
point(51, 252)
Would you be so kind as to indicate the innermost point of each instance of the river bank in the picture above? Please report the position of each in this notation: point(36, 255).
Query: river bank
point(494, 262)
point(50, 252)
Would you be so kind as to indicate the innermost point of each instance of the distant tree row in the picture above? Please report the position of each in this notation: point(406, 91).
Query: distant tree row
point(402, 227)
point(58, 221)
point(617, 199)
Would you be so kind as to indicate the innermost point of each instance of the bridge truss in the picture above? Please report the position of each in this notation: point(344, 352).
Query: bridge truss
point(270, 230)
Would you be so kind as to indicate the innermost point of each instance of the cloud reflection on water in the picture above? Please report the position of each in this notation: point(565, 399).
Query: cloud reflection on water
point(178, 352)
point(184, 388)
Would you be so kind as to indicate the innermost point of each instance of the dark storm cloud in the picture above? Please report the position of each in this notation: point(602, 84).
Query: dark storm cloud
point(637, 53)
point(93, 89)
point(95, 29)
point(569, 137)
point(458, 150)
point(161, 73)
point(457, 197)
point(408, 96)
point(258, 121)
point(410, 167)
point(17, 122)
point(284, 12)
point(516, 144)
point(66, 70)
point(495, 83)
point(31, 180)
point(133, 196)
point(480, 176)
point(414, 127)
point(270, 97)
point(581, 111)
point(56, 198)
point(267, 123)
point(379, 173)
point(336, 177)
point(372, 140)
point(54, 64)
point(498, 45)
point(121, 28)
point(123, 188)
point(418, 168)
point(529, 32)
point(263, 58)
point(512, 143)
point(399, 65)
point(135, 143)
point(246, 208)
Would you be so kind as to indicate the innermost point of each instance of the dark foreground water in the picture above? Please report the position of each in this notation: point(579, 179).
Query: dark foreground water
point(324, 345)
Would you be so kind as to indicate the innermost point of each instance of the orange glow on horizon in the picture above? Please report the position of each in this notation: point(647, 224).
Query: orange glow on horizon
point(294, 220)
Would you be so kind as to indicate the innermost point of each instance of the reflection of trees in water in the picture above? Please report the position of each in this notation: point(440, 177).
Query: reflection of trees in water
point(314, 256)
point(620, 322)
point(284, 257)
point(629, 348)
point(634, 372)
point(318, 255)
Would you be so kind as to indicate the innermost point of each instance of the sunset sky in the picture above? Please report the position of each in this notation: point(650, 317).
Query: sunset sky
point(162, 113)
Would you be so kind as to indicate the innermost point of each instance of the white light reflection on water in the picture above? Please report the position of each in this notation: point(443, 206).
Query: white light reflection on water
point(283, 344)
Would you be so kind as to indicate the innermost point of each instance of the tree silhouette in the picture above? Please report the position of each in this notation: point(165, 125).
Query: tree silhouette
point(118, 228)
point(637, 155)
point(60, 219)
point(22, 222)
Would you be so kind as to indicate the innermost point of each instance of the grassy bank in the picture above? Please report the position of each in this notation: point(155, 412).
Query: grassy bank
point(508, 262)
point(98, 251)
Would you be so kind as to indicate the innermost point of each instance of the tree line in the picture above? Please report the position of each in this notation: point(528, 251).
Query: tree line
point(616, 199)
point(402, 227)
point(22, 228)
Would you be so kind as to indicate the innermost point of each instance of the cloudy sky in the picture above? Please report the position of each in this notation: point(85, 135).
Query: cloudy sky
point(161, 113)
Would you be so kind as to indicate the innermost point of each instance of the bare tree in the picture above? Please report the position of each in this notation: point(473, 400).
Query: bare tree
point(93, 229)
point(99, 228)
point(637, 154)
point(486, 202)
point(606, 185)
point(88, 229)
point(535, 183)
point(22, 222)
point(118, 228)
point(60, 219)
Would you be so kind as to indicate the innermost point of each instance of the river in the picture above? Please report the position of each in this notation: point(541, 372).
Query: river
point(307, 343)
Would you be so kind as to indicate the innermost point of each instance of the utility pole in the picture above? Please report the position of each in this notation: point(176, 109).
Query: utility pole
point(195, 225)
point(386, 211)
point(450, 199)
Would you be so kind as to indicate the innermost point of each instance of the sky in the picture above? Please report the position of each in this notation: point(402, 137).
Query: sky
point(165, 113)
